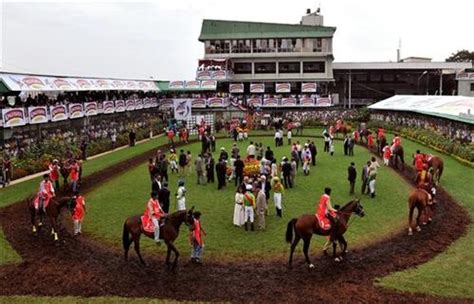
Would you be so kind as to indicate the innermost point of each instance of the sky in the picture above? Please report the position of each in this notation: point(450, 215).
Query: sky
point(158, 39)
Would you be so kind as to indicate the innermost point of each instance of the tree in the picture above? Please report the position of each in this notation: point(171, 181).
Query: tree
point(461, 56)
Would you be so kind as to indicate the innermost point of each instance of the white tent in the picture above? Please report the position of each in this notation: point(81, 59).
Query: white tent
point(460, 108)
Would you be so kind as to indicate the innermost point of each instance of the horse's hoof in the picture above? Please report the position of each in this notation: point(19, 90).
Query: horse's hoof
point(424, 223)
point(430, 220)
point(40, 224)
point(418, 228)
point(410, 232)
point(338, 259)
point(311, 266)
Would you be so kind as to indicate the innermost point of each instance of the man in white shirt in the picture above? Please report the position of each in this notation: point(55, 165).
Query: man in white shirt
point(288, 135)
point(251, 150)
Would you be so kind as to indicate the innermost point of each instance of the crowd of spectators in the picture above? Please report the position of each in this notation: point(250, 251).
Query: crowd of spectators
point(321, 116)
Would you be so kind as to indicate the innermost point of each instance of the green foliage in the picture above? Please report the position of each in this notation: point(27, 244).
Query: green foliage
point(461, 56)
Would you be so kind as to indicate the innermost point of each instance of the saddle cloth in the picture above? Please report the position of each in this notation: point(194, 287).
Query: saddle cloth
point(324, 222)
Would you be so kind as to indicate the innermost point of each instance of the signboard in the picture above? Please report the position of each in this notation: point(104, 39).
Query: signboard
point(256, 102)
point(219, 75)
point(13, 117)
point(288, 102)
point(283, 87)
point(130, 105)
point(215, 102)
point(192, 84)
point(20, 82)
point(198, 103)
point(177, 84)
point(182, 109)
point(323, 102)
point(209, 84)
point(166, 103)
point(309, 87)
point(236, 88)
point(58, 113)
point(109, 107)
point(119, 106)
point(257, 88)
point(138, 104)
point(270, 102)
point(307, 101)
point(37, 115)
point(153, 102)
point(203, 75)
point(90, 108)
point(75, 110)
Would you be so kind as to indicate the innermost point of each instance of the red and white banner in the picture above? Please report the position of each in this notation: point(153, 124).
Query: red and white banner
point(166, 103)
point(109, 107)
point(309, 87)
point(256, 102)
point(215, 102)
point(138, 104)
point(236, 88)
point(219, 75)
point(13, 117)
point(19, 82)
point(176, 84)
point(257, 88)
point(120, 106)
point(58, 113)
point(203, 75)
point(270, 102)
point(323, 102)
point(192, 84)
point(153, 102)
point(199, 103)
point(283, 87)
point(209, 84)
point(130, 105)
point(90, 108)
point(146, 103)
point(75, 110)
point(307, 101)
point(288, 102)
point(37, 115)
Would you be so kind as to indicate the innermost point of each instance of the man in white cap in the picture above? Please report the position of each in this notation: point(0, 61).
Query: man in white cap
point(251, 150)
point(249, 206)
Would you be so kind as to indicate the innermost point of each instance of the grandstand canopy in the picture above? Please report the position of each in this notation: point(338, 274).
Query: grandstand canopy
point(26, 82)
point(458, 108)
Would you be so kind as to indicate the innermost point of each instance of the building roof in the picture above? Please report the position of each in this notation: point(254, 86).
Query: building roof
point(456, 108)
point(401, 65)
point(223, 29)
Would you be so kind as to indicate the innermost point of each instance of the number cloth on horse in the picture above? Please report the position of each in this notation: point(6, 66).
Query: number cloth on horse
point(324, 208)
point(153, 211)
point(79, 209)
point(46, 192)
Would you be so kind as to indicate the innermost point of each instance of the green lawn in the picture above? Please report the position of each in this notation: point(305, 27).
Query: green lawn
point(78, 300)
point(385, 214)
point(450, 274)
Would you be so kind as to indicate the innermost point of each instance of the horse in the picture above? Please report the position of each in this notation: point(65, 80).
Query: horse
point(381, 143)
point(423, 202)
point(298, 126)
point(344, 130)
point(364, 133)
point(168, 232)
point(437, 164)
point(307, 224)
point(398, 154)
point(64, 170)
point(52, 211)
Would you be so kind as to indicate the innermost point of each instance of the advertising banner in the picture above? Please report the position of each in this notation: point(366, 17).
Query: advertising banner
point(182, 109)
point(138, 104)
point(13, 117)
point(307, 101)
point(120, 106)
point(153, 102)
point(37, 115)
point(309, 87)
point(323, 102)
point(236, 88)
point(209, 84)
point(166, 104)
point(270, 102)
point(283, 87)
point(219, 75)
point(58, 113)
point(109, 107)
point(198, 103)
point(176, 84)
point(130, 105)
point(256, 102)
point(288, 102)
point(192, 84)
point(75, 110)
point(257, 88)
point(90, 108)
point(203, 75)
point(215, 102)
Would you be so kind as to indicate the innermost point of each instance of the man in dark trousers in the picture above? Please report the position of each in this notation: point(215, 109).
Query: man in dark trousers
point(286, 169)
point(204, 143)
point(210, 168)
point(269, 154)
point(365, 177)
point(314, 152)
point(346, 145)
point(84, 149)
point(164, 197)
point(213, 143)
point(351, 177)
point(350, 146)
point(220, 172)
point(239, 170)
point(163, 167)
point(132, 137)
point(182, 161)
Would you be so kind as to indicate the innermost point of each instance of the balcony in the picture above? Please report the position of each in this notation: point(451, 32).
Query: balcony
point(215, 75)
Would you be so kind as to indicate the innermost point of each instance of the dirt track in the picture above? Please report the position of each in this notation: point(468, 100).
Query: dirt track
point(83, 267)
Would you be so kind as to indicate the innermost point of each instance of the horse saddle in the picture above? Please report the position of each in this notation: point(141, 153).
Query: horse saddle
point(324, 222)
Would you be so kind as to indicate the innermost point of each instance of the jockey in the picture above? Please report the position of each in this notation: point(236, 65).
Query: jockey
point(423, 179)
point(74, 174)
point(325, 210)
point(387, 154)
point(46, 192)
point(54, 173)
point(306, 158)
point(381, 133)
point(356, 135)
point(154, 213)
point(370, 140)
point(418, 161)
point(180, 196)
point(249, 206)
point(396, 142)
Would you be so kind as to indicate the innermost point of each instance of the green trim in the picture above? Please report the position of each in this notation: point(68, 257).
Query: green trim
point(222, 29)
point(4, 88)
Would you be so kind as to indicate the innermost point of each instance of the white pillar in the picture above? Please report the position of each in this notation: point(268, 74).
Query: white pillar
point(350, 88)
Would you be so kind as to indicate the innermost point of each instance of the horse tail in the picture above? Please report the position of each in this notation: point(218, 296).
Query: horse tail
point(289, 230)
point(125, 237)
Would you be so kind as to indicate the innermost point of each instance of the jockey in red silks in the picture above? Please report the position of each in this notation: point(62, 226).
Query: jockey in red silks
point(370, 140)
point(79, 212)
point(152, 215)
point(380, 133)
point(418, 161)
point(74, 174)
point(170, 135)
point(327, 214)
point(54, 173)
point(45, 193)
point(356, 135)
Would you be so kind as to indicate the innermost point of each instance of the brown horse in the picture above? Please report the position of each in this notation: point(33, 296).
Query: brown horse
point(52, 211)
point(437, 164)
point(381, 143)
point(307, 224)
point(423, 202)
point(398, 154)
point(344, 130)
point(169, 233)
